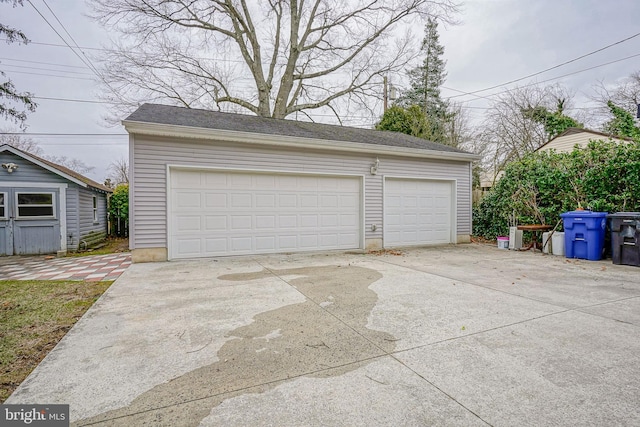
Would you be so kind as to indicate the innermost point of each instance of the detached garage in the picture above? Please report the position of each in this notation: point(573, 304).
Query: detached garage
point(207, 184)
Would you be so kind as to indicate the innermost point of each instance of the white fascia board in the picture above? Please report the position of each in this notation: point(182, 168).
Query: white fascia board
point(156, 129)
point(42, 165)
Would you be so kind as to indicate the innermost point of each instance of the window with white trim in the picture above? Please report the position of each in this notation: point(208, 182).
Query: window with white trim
point(3, 205)
point(95, 209)
point(35, 205)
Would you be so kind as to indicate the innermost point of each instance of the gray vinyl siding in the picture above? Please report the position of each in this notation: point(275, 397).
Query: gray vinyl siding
point(87, 227)
point(151, 155)
point(27, 171)
point(73, 219)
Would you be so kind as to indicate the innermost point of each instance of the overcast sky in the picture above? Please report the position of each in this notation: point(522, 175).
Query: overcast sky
point(496, 41)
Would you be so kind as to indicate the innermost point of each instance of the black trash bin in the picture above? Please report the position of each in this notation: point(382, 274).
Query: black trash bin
point(625, 238)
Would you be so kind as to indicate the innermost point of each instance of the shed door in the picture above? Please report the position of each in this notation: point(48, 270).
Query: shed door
point(417, 212)
point(237, 213)
point(29, 221)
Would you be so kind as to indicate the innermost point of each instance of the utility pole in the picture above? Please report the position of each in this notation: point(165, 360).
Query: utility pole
point(385, 95)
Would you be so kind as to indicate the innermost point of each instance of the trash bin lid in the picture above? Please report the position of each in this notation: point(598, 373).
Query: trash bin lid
point(625, 215)
point(591, 214)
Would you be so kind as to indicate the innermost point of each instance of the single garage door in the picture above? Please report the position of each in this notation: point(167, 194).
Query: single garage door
point(417, 212)
point(238, 213)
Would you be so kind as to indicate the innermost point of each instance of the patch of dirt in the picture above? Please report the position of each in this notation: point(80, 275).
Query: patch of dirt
point(380, 252)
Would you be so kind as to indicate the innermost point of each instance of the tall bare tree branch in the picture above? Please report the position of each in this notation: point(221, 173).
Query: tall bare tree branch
point(273, 57)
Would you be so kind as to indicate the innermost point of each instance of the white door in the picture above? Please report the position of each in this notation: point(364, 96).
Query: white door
point(239, 213)
point(417, 212)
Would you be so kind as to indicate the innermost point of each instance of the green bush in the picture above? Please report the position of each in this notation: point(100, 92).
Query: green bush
point(119, 202)
point(605, 176)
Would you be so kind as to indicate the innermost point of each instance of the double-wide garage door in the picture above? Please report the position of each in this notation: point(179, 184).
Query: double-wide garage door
point(417, 212)
point(214, 213)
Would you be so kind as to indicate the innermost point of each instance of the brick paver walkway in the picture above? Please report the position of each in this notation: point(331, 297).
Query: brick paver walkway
point(90, 268)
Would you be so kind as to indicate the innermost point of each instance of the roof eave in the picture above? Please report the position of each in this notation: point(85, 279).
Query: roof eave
point(45, 166)
point(158, 129)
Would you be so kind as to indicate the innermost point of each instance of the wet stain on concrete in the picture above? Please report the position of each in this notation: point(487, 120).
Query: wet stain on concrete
point(306, 339)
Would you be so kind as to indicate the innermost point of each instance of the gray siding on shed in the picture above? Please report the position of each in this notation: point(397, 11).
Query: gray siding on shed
point(27, 171)
point(73, 221)
point(87, 225)
point(152, 155)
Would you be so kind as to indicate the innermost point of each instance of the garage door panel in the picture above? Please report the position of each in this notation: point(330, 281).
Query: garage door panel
point(287, 200)
point(188, 246)
point(308, 221)
point(265, 201)
point(245, 213)
point(417, 212)
point(188, 200)
point(215, 245)
point(215, 222)
point(265, 222)
point(348, 220)
point(188, 180)
point(188, 223)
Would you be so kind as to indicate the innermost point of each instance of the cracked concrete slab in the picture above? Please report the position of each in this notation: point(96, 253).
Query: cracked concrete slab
point(567, 369)
point(454, 335)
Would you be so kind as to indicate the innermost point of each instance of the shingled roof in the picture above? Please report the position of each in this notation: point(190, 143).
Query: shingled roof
point(180, 116)
point(58, 168)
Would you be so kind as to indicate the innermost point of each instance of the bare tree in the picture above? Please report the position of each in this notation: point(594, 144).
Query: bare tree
point(119, 171)
point(458, 130)
point(31, 146)
point(273, 58)
point(21, 142)
point(509, 132)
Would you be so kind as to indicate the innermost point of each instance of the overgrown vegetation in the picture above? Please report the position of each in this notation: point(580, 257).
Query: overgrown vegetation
point(605, 176)
point(34, 316)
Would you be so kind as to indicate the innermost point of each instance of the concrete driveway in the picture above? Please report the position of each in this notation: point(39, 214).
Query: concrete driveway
point(459, 335)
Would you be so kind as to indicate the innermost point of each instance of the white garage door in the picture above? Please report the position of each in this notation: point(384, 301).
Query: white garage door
point(228, 213)
point(417, 212)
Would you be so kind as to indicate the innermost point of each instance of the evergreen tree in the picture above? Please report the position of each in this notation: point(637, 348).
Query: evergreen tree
point(12, 102)
point(425, 81)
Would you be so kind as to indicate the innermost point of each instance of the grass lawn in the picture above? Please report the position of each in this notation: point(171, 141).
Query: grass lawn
point(34, 316)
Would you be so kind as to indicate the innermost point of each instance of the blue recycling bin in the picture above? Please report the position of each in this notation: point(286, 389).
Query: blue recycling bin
point(584, 234)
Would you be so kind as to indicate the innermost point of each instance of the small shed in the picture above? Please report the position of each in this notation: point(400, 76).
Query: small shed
point(207, 183)
point(47, 208)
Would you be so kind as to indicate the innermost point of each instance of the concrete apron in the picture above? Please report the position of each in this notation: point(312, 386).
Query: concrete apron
point(465, 335)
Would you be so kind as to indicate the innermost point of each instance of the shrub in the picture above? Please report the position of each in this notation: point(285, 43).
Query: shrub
point(604, 176)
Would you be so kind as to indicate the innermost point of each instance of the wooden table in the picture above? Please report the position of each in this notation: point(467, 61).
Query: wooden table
point(535, 229)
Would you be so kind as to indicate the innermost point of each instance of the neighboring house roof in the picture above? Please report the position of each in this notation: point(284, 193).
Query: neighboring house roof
point(57, 169)
point(566, 140)
point(181, 119)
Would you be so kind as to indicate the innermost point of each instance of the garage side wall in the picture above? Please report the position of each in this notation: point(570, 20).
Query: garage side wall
point(151, 155)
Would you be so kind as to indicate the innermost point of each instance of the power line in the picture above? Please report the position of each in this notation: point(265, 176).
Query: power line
point(88, 101)
point(553, 78)
point(26, 67)
point(41, 63)
point(61, 38)
point(550, 68)
point(91, 65)
point(50, 75)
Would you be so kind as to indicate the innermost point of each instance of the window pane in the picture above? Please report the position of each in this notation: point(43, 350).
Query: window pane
point(35, 199)
point(95, 202)
point(1, 199)
point(35, 211)
point(1, 211)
